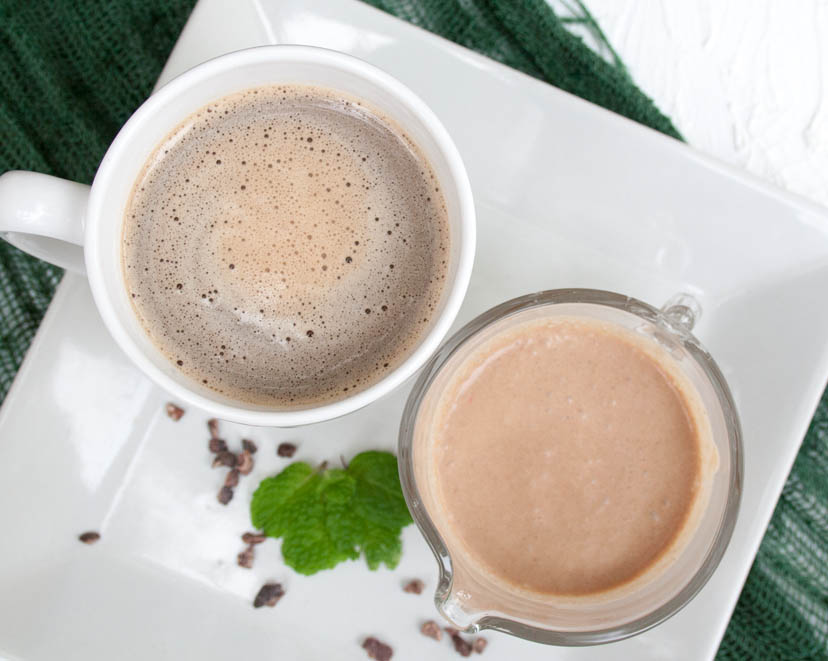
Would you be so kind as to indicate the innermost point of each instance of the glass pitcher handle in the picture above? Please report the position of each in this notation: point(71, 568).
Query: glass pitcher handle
point(681, 312)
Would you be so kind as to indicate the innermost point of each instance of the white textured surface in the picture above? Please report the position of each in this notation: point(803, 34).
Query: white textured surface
point(745, 81)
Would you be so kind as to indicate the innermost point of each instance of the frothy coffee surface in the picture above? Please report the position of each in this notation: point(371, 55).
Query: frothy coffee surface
point(568, 458)
point(286, 246)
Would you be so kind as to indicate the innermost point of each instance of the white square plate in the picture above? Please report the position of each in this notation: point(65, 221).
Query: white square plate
point(568, 195)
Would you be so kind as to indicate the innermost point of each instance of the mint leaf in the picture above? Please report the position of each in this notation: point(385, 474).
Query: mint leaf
point(327, 516)
point(274, 500)
point(379, 496)
point(380, 545)
point(297, 505)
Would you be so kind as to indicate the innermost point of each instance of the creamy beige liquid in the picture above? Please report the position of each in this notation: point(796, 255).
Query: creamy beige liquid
point(568, 457)
point(286, 246)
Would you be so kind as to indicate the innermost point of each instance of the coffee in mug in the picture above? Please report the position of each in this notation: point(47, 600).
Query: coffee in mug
point(286, 246)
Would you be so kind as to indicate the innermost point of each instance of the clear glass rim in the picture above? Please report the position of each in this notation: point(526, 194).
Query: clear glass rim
point(412, 496)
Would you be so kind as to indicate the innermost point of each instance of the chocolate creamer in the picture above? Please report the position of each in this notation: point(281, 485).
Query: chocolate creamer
point(564, 459)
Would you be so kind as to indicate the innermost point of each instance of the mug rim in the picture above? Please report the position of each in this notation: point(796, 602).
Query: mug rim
point(411, 492)
point(282, 54)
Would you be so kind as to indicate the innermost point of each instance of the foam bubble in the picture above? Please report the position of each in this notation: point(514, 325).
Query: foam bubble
point(286, 246)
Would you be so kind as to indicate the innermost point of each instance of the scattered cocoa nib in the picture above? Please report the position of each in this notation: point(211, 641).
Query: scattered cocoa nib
point(253, 538)
point(232, 479)
point(212, 425)
point(174, 412)
point(244, 461)
point(268, 595)
point(479, 644)
point(286, 450)
point(249, 446)
point(89, 537)
point(225, 495)
point(432, 630)
point(462, 646)
point(217, 445)
point(414, 586)
point(245, 558)
point(225, 459)
point(377, 650)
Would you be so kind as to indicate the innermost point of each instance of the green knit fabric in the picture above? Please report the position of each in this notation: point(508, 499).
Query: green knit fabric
point(72, 71)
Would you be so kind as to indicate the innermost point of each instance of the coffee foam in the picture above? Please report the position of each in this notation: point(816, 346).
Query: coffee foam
point(286, 246)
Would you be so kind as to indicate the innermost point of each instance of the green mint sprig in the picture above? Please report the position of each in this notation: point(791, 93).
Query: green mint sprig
point(327, 515)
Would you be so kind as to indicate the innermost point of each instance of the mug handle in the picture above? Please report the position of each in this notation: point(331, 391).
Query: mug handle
point(44, 216)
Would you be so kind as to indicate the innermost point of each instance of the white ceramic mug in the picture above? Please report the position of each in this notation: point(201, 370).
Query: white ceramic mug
point(77, 226)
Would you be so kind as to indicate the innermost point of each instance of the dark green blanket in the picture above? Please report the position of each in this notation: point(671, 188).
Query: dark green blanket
point(72, 71)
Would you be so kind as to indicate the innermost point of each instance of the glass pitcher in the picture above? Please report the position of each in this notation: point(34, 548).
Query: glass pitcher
point(473, 601)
